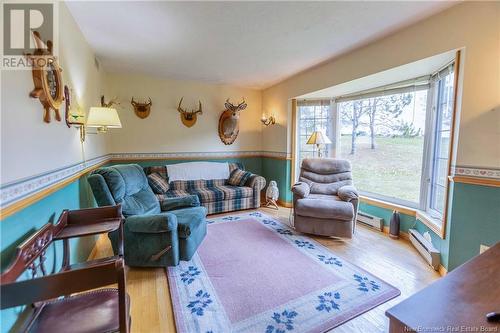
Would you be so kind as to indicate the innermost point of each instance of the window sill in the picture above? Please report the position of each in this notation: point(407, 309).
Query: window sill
point(436, 225)
point(388, 205)
point(433, 224)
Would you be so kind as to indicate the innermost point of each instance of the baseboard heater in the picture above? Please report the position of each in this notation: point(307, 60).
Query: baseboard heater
point(370, 220)
point(425, 248)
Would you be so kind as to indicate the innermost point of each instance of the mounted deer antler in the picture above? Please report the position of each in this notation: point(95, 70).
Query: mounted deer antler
point(111, 103)
point(239, 107)
point(142, 110)
point(188, 118)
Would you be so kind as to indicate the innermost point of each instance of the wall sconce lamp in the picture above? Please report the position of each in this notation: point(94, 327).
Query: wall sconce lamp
point(268, 121)
point(102, 118)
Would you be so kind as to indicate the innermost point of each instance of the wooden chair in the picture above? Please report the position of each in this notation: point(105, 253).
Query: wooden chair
point(56, 307)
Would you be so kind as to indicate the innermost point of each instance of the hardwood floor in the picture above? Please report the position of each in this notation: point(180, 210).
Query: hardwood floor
point(394, 261)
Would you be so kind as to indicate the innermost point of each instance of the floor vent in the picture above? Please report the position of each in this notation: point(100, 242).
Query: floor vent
point(370, 220)
point(425, 248)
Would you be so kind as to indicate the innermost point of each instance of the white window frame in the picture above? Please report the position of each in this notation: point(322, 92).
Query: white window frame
point(432, 123)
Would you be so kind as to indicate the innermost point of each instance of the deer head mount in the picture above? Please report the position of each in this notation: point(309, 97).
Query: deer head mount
point(229, 121)
point(189, 118)
point(111, 103)
point(142, 110)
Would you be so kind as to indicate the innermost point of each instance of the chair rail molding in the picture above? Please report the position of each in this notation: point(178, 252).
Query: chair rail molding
point(20, 189)
point(476, 171)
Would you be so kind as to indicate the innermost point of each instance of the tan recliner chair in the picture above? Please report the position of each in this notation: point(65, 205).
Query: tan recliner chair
point(325, 200)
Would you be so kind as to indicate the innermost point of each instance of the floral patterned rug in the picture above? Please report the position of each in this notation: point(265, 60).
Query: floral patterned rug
point(255, 274)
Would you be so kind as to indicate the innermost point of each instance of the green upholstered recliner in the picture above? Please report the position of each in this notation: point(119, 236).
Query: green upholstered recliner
point(154, 235)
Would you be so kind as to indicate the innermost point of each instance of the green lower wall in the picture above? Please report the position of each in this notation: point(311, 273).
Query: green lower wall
point(407, 222)
point(475, 220)
point(280, 171)
point(16, 228)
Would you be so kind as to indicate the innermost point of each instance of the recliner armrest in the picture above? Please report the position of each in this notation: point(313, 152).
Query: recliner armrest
point(151, 224)
point(348, 193)
point(301, 189)
point(256, 182)
point(179, 202)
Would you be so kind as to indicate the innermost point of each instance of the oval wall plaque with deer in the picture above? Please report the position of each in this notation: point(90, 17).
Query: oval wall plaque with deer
point(188, 118)
point(142, 110)
point(229, 121)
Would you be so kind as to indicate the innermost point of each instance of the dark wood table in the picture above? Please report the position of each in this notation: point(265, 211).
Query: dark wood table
point(458, 302)
point(88, 222)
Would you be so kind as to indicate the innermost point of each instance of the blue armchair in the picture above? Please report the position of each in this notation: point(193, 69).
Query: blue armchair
point(154, 235)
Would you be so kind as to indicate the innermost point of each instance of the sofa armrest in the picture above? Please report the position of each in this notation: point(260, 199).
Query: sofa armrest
point(256, 182)
point(179, 202)
point(151, 224)
point(348, 193)
point(301, 189)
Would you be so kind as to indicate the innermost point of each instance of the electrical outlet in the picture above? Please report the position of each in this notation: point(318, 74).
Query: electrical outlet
point(483, 248)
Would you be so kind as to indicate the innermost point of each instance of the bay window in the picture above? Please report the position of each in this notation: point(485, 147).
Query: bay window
point(397, 138)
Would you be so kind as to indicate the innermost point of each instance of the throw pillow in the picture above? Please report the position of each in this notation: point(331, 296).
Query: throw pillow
point(239, 177)
point(158, 184)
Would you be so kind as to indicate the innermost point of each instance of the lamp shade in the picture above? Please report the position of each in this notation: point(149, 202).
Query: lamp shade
point(318, 138)
point(103, 117)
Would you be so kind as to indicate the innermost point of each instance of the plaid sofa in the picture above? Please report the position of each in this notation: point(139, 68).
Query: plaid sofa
point(216, 195)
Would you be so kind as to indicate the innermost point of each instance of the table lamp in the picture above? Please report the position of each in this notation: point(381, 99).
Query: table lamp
point(318, 138)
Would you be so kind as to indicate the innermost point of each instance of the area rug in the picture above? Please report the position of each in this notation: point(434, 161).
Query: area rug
point(255, 274)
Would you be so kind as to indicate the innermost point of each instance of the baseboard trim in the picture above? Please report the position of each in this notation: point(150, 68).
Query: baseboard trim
point(406, 236)
point(286, 204)
point(402, 234)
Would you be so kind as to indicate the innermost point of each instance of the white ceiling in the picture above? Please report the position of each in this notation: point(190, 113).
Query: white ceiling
point(409, 71)
point(252, 44)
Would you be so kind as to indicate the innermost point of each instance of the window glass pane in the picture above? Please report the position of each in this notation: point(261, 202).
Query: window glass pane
point(438, 198)
point(441, 144)
point(444, 144)
point(442, 171)
point(383, 137)
point(313, 115)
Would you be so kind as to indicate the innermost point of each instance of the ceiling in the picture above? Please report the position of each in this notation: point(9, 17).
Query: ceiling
point(250, 44)
point(405, 72)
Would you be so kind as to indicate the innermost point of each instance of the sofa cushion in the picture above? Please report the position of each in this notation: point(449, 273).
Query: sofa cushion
point(324, 197)
point(235, 192)
point(189, 220)
point(159, 169)
point(207, 194)
point(238, 177)
point(194, 184)
point(158, 184)
point(174, 194)
point(325, 208)
point(179, 202)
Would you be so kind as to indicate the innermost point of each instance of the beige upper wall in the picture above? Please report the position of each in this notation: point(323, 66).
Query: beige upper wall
point(474, 26)
point(163, 131)
point(28, 145)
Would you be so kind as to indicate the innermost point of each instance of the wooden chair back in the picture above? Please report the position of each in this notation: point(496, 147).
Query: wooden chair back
point(30, 255)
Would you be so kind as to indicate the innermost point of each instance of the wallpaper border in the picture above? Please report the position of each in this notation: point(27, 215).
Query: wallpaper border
point(14, 192)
